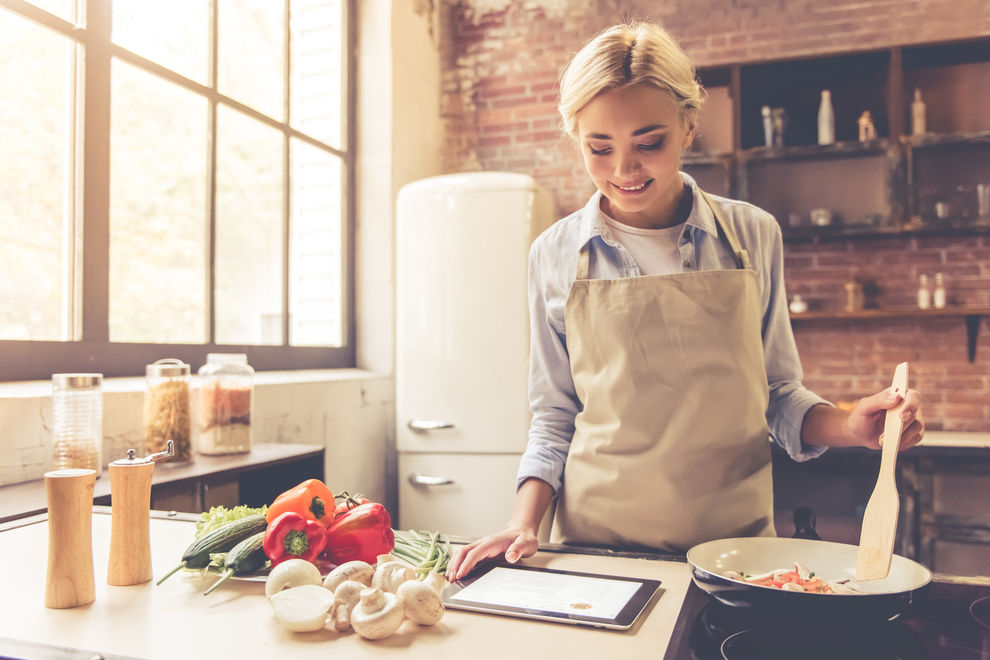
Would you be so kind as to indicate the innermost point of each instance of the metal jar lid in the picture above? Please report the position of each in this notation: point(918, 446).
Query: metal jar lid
point(77, 381)
point(167, 368)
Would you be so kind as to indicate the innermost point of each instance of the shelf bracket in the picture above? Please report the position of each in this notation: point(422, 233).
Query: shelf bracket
point(972, 332)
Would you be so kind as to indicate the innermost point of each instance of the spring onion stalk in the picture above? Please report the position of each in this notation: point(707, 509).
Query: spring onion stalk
point(425, 551)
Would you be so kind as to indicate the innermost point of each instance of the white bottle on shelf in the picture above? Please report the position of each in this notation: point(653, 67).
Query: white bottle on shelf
point(938, 295)
point(924, 293)
point(826, 119)
point(917, 114)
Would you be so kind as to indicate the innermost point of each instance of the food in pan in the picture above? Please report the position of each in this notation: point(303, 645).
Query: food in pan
point(797, 578)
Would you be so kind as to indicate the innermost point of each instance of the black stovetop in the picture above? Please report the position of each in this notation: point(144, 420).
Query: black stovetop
point(949, 622)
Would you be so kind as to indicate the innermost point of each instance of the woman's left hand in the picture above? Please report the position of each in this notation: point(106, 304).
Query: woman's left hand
point(865, 423)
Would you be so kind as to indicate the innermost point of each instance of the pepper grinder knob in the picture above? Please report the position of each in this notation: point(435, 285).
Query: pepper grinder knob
point(130, 504)
point(70, 581)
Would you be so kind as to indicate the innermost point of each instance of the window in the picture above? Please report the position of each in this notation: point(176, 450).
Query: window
point(174, 181)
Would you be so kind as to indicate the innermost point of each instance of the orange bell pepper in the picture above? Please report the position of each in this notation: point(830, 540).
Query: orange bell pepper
point(311, 499)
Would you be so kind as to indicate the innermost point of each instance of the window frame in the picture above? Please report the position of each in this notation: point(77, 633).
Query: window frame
point(91, 350)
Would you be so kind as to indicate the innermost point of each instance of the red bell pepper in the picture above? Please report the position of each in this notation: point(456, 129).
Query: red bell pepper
point(311, 499)
point(290, 536)
point(361, 533)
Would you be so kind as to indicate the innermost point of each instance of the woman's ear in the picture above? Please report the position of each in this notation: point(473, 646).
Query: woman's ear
point(688, 135)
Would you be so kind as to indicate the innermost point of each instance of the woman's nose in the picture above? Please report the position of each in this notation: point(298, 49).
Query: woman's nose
point(627, 163)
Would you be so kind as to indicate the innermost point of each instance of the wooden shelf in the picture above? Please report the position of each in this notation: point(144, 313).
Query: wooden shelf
point(972, 316)
point(837, 150)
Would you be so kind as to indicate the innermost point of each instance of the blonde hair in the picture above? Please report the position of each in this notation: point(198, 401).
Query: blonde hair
point(634, 53)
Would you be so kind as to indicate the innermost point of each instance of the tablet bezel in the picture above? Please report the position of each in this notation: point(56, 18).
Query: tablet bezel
point(624, 620)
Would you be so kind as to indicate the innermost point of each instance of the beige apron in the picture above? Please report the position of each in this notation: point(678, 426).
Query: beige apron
point(672, 447)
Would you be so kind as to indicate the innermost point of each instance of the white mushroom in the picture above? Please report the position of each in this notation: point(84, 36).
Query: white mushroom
point(436, 581)
point(359, 571)
point(347, 595)
point(421, 602)
point(391, 574)
point(377, 615)
point(791, 586)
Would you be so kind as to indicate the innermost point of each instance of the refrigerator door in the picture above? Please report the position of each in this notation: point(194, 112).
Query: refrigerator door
point(457, 494)
point(462, 323)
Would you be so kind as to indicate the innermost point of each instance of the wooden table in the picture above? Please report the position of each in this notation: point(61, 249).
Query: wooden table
point(175, 620)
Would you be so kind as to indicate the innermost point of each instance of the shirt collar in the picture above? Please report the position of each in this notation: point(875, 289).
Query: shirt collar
point(593, 224)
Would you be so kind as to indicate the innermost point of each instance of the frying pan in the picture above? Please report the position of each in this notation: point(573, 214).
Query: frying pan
point(884, 599)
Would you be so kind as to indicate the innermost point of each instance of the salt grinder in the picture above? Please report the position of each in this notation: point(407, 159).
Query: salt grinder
point(69, 581)
point(130, 503)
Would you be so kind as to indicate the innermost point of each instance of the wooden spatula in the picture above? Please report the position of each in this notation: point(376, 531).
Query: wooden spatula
point(876, 541)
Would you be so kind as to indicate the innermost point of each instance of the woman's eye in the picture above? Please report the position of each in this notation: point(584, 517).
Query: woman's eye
point(652, 145)
point(604, 151)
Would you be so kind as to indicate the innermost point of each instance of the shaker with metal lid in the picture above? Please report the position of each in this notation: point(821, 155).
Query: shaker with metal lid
point(77, 429)
point(166, 409)
point(130, 504)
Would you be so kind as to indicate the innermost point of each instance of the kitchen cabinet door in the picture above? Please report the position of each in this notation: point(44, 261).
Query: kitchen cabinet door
point(457, 494)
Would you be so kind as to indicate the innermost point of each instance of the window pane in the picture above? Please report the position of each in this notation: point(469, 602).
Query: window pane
point(35, 222)
point(316, 263)
point(251, 66)
point(65, 9)
point(317, 69)
point(158, 210)
point(173, 34)
point(249, 245)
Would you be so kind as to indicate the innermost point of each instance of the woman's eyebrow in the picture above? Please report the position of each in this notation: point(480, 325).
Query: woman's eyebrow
point(637, 132)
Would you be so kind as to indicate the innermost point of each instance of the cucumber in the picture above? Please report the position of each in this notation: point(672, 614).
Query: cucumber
point(245, 557)
point(222, 539)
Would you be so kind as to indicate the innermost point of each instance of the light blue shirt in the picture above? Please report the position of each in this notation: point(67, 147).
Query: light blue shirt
point(552, 268)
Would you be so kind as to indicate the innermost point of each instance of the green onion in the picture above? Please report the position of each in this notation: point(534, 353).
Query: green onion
point(426, 552)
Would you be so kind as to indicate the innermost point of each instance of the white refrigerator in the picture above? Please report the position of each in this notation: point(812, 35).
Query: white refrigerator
point(462, 346)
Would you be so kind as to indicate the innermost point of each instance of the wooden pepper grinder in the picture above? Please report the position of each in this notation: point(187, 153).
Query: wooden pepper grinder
point(130, 504)
point(70, 538)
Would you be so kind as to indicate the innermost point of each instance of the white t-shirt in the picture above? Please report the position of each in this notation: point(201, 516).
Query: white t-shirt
point(655, 251)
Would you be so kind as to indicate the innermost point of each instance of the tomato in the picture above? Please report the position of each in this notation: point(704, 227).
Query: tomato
point(346, 502)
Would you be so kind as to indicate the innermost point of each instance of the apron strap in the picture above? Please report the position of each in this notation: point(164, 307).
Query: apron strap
point(742, 256)
point(582, 262)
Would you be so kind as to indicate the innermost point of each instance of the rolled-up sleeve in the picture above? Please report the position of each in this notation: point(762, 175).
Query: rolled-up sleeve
point(789, 399)
point(553, 400)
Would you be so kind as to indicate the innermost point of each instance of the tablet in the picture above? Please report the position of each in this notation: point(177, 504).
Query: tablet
point(531, 592)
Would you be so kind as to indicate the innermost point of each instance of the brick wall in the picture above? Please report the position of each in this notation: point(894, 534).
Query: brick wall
point(501, 62)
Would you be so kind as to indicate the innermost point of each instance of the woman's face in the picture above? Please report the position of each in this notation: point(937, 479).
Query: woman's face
point(632, 139)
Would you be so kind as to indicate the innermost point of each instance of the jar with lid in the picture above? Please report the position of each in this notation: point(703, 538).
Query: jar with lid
point(77, 429)
point(226, 386)
point(166, 409)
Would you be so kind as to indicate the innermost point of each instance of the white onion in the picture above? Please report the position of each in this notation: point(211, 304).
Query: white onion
point(302, 609)
point(292, 573)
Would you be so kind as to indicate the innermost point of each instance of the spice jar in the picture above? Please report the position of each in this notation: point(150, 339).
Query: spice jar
point(77, 430)
point(226, 385)
point(166, 409)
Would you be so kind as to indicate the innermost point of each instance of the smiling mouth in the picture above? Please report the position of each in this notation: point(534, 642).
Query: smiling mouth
point(634, 189)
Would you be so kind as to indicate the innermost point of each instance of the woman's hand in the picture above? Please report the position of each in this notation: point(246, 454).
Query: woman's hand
point(514, 542)
point(865, 423)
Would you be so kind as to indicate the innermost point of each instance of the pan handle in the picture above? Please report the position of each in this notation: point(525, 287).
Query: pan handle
point(804, 523)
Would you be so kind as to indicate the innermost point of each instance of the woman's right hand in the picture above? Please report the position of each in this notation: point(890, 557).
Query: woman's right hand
point(514, 542)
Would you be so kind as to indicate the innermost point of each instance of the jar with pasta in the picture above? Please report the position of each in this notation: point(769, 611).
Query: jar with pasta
point(226, 386)
point(167, 411)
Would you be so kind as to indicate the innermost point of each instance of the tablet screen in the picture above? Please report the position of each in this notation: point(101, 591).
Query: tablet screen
point(549, 594)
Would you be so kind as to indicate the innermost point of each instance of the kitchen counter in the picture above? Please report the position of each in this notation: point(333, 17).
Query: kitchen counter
point(175, 620)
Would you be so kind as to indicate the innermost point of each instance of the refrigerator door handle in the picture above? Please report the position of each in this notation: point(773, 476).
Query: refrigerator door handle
point(417, 479)
point(424, 425)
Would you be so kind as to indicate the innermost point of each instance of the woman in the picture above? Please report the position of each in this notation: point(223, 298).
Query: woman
point(662, 354)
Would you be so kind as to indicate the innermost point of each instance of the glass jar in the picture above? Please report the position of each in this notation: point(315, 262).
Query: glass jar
point(166, 410)
point(226, 386)
point(77, 429)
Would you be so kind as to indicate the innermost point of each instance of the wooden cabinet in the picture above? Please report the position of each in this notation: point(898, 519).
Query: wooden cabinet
point(895, 183)
point(254, 479)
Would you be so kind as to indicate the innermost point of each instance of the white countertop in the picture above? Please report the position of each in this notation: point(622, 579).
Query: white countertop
point(175, 620)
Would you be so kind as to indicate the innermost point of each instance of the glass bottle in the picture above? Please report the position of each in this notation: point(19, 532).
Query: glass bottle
point(226, 387)
point(938, 295)
point(77, 429)
point(924, 293)
point(917, 114)
point(166, 410)
point(826, 119)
